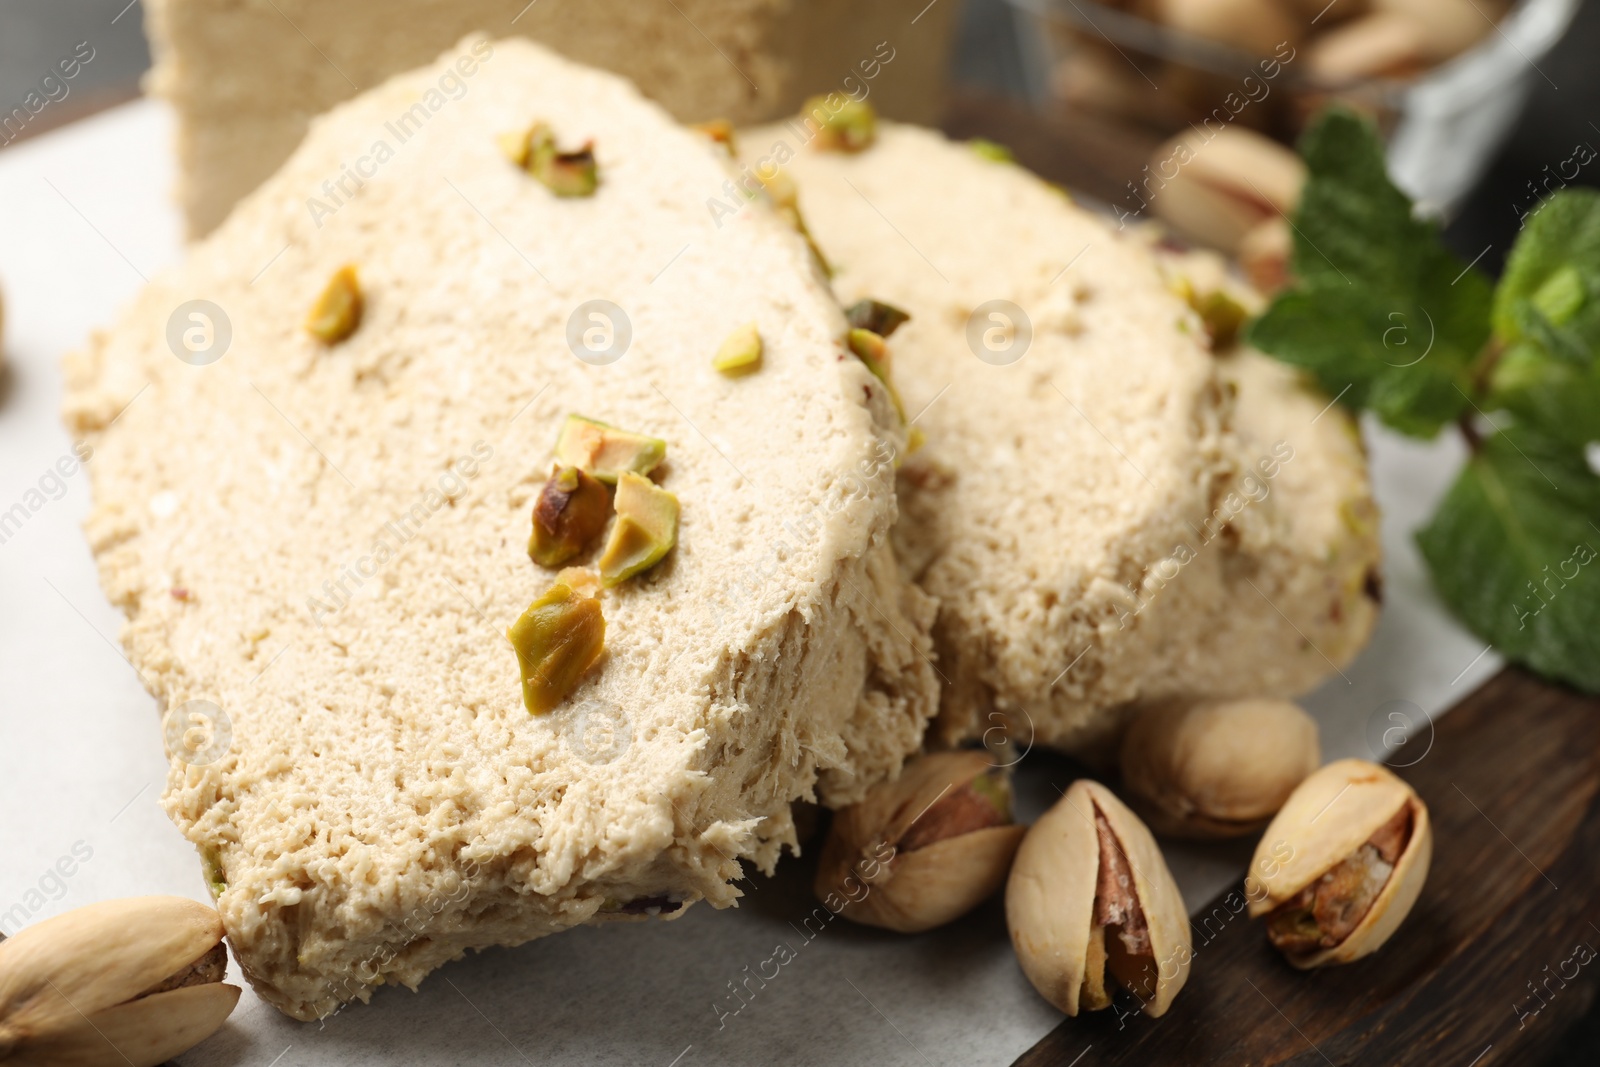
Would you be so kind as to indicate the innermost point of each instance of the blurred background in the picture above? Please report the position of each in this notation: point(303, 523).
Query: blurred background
point(1488, 103)
point(1513, 97)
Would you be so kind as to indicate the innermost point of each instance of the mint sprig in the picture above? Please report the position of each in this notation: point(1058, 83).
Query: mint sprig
point(1381, 312)
point(1388, 320)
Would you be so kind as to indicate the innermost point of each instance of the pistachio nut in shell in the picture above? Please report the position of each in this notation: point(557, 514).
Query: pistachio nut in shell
point(1090, 896)
point(103, 984)
point(1341, 864)
point(1216, 768)
point(924, 849)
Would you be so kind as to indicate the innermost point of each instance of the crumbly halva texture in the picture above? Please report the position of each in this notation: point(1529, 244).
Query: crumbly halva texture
point(246, 77)
point(1091, 516)
point(348, 527)
point(1296, 589)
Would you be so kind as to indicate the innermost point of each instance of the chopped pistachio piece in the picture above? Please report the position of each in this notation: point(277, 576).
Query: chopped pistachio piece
point(518, 146)
point(882, 319)
point(915, 440)
point(572, 509)
point(850, 127)
point(572, 173)
point(645, 531)
point(580, 581)
point(871, 349)
point(568, 173)
point(605, 451)
point(337, 311)
point(557, 640)
point(740, 353)
point(718, 130)
point(993, 151)
point(1224, 317)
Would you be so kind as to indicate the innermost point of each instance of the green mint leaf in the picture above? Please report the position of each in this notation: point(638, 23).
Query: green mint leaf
point(1513, 552)
point(1559, 397)
point(1381, 313)
point(1550, 293)
point(1372, 352)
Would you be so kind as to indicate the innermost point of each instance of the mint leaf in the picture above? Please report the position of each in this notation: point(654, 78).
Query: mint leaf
point(1380, 305)
point(1363, 345)
point(1559, 397)
point(1550, 293)
point(1513, 552)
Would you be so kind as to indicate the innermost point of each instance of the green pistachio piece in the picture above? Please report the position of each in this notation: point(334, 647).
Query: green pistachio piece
point(568, 173)
point(741, 352)
point(993, 151)
point(871, 349)
point(605, 451)
point(572, 509)
point(1221, 314)
point(517, 146)
point(535, 150)
point(1224, 317)
point(882, 319)
point(557, 640)
point(337, 311)
point(645, 531)
point(850, 127)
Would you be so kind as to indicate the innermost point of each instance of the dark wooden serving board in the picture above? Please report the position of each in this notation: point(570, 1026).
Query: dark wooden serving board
point(1486, 970)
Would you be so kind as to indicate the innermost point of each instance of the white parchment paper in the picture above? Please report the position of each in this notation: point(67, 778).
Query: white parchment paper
point(86, 217)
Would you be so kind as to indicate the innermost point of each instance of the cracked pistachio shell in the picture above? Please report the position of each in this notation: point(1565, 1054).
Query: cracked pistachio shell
point(70, 986)
point(1050, 903)
point(1332, 814)
point(952, 868)
point(1217, 768)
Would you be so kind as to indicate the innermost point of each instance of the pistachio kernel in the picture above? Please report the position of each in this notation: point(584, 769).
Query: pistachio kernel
point(740, 353)
point(1326, 912)
point(572, 509)
point(645, 530)
point(993, 151)
point(1221, 314)
point(882, 319)
point(568, 173)
point(517, 146)
point(557, 640)
point(573, 173)
point(870, 349)
point(850, 127)
point(605, 451)
point(337, 311)
point(580, 581)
